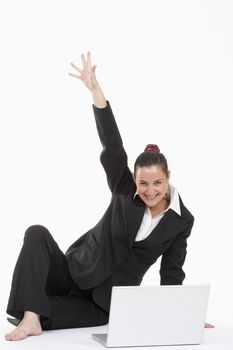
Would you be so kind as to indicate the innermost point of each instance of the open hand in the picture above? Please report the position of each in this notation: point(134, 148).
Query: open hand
point(87, 74)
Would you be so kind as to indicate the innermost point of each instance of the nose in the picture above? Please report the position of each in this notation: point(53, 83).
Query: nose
point(150, 191)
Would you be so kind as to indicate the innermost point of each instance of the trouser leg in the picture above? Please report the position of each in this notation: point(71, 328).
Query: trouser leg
point(41, 283)
point(74, 311)
point(41, 269)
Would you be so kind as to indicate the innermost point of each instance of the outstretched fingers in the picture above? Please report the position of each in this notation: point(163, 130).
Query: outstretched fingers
point(74, 75)
point(83, 61)
point(87, 73)
point(77, 69)
point(89, 60)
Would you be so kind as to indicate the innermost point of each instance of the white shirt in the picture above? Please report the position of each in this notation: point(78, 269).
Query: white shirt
point(148, 223)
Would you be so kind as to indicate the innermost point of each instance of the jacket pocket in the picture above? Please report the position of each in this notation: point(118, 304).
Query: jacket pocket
point(87, 253)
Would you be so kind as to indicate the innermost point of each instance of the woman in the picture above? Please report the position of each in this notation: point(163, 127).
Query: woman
point(145, 219)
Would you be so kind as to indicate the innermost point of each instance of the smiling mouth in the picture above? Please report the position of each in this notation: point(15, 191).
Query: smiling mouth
point(151, 198)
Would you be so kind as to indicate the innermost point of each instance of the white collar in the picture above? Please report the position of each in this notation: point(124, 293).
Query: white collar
point(174, 202)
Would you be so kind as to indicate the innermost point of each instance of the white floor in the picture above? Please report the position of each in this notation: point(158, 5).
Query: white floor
point(220, 338)
point(79, 338)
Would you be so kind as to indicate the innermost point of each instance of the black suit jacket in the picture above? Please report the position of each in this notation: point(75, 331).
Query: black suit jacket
point(98, 258)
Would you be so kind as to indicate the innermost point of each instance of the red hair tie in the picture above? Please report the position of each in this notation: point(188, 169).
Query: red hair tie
point(152, 148)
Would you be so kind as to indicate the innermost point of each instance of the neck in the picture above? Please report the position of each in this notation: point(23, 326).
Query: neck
point(161, 206)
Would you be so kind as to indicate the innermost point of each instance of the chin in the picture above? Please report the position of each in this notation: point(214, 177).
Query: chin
point(151, 204)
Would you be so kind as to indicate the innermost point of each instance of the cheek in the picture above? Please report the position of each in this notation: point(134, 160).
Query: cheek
point(140, 189)
point(163, 190)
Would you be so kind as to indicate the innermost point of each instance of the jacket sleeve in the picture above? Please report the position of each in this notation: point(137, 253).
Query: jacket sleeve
point(113, 156)
point(171, 272)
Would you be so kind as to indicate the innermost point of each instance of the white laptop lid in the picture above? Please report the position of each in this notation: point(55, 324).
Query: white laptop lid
point(157, 315)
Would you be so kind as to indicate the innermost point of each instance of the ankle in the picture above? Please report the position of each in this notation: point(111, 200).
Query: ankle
point(32, 316)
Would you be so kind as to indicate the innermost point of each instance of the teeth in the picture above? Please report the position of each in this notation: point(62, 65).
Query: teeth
point(151, 197)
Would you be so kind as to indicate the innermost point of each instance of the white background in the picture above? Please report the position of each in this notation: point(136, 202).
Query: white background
point(166, 68)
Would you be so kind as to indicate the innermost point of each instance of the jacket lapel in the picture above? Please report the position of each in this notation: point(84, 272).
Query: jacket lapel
point(135, 209)
point(168, 227)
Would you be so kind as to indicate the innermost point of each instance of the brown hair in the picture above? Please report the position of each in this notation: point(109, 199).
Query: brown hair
point(151, 156)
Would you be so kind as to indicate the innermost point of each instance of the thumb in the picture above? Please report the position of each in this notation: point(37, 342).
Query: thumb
point(94, 68)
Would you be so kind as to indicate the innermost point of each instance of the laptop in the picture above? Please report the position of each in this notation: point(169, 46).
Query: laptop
point(156, 315)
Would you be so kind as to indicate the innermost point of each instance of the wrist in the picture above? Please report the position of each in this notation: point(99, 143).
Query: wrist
point(98, 97)
point(95, 88)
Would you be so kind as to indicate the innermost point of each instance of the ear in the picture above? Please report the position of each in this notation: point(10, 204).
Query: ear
point(169, 173)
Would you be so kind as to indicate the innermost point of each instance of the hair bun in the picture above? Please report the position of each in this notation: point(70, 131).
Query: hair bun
point(152, 148)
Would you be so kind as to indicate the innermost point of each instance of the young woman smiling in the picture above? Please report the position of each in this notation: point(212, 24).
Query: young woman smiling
point(145, 219)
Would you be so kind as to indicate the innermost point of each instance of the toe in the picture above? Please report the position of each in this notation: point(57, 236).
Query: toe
point(7, 337)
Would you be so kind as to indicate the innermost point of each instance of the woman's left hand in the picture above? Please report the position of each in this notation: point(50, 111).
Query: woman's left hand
point(208, 325)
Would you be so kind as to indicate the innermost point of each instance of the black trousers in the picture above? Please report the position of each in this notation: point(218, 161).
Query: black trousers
point(42, 284)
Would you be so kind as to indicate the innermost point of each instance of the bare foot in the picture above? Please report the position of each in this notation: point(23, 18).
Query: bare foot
point(30, 325)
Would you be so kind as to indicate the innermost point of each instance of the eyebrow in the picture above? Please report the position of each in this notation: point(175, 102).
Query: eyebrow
point(154, 181)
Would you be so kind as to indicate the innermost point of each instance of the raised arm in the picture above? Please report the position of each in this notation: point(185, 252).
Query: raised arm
point(113, 157)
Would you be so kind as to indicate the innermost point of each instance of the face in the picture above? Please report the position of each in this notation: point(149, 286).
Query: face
point(151, 184)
